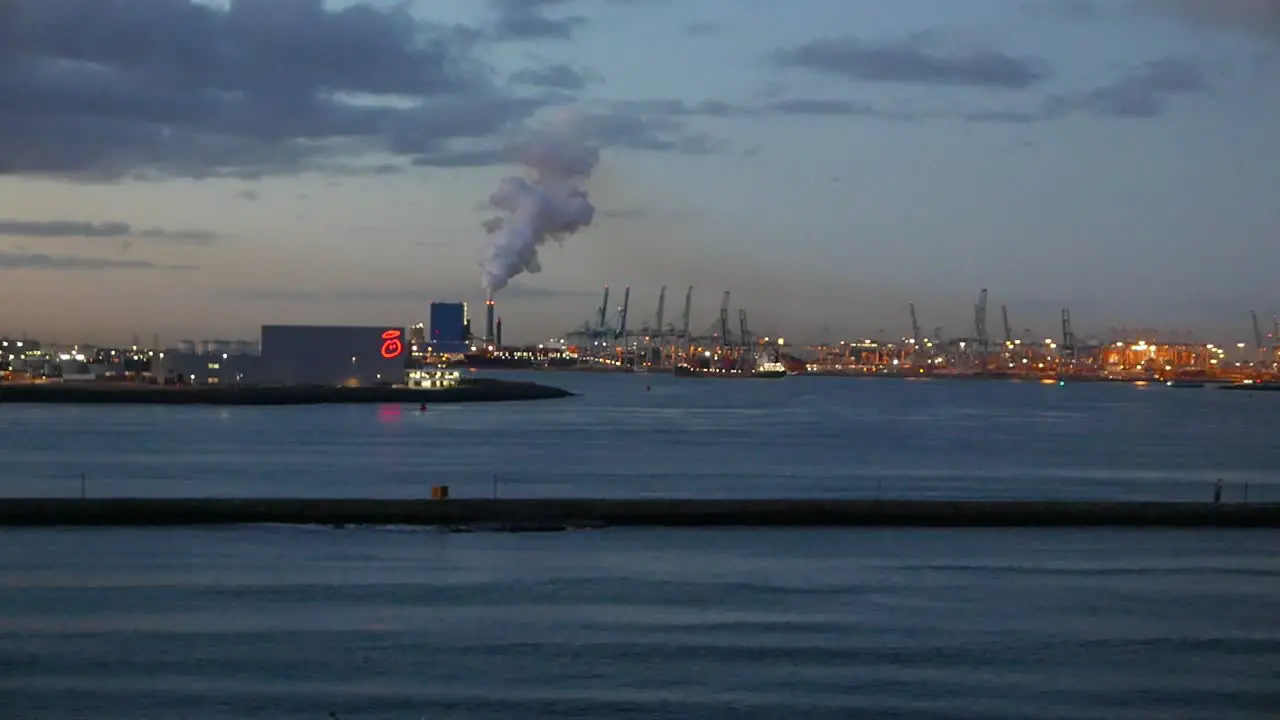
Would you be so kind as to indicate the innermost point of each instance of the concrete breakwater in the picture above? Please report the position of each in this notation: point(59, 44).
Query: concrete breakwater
point(470, 390)
point(543, 513)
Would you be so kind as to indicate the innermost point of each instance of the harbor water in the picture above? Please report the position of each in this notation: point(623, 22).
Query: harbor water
point(280, 622)
point(658, 436)
point(361, 623)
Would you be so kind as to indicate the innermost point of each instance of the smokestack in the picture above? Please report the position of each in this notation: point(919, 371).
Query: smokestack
point(488, 320)
point(497, 338)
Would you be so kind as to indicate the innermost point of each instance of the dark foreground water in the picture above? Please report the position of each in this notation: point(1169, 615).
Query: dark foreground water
point(638, 436)
point(271, 622)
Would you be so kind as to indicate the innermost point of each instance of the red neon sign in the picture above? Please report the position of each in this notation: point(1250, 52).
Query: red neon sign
point(392, 345)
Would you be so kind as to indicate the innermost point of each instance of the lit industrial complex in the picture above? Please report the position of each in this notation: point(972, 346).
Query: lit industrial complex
point(653, 344)
point(429, 356)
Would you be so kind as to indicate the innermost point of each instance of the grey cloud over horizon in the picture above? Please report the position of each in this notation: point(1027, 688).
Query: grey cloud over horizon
point(259, 88)
point(921, 58)
point(112, 230)
point(98, 92)
point(1144, 91)
point(558, 76)
point(528, 20)
point(1257, 17)
point(43, 261)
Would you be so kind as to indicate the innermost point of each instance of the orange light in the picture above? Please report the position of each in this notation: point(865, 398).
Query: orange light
point(392, 345)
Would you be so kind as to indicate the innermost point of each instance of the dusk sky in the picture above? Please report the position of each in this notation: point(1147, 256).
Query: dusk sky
point(197, 169)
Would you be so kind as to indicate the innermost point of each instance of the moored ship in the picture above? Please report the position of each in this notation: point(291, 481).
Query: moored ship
point(753, 369)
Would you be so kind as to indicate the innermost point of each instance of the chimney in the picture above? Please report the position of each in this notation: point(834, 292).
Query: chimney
point(488, 320)
point(497, 339)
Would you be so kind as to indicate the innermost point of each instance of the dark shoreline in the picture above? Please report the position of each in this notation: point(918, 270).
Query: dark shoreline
point(561, 513)
point(470, 390)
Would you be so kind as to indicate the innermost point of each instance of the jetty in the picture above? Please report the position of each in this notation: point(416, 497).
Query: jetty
point(97, 393)
point(544, 513)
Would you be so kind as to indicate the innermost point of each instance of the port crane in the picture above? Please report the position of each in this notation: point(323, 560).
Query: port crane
point(604, 311)
point(1257, 335)
point(724, 320)
point(980, 328)
point(596, 331)
point(658, 341)
point(1008, 355)
point(657, 329)
point(1068, 349)
point(915, 329)
point(658, 336)
point(684, 317)
point(621, 333)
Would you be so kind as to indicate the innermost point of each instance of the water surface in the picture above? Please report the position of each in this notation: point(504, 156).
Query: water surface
point(271, 622)
point(638, 436)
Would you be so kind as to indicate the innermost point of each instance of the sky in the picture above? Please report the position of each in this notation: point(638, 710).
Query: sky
point(196, 169)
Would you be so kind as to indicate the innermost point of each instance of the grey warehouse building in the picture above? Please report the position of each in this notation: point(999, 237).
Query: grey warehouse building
point(175, 367)
point(333, 355)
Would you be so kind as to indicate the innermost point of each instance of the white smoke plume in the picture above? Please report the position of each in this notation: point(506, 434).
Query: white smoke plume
point(550, 206)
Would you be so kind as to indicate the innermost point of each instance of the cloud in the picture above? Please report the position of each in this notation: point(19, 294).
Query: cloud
point(652, 126)
point(64, 228)
point(918, 59)
point(1259, 17)
point(42, 261)
point(1142, 93)
point(185, 237)
point(823, 106)
point(558, 77)
point(527, 20)
point(117, 230)
point(101, 91)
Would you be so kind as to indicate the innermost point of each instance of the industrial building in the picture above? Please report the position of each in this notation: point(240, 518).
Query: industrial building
point(333, 355)
point(450, 327)
point(175, 367)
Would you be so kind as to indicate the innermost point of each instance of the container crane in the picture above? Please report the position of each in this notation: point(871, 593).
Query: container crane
point(684, 316)
point(980, 321)
point(662, 305)
point(1068, 349)
point(724, 319)
point(1257, 334)
point(604, 311)
point(622, 315)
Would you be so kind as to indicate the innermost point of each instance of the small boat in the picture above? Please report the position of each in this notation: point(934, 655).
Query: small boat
point(1184, 384)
